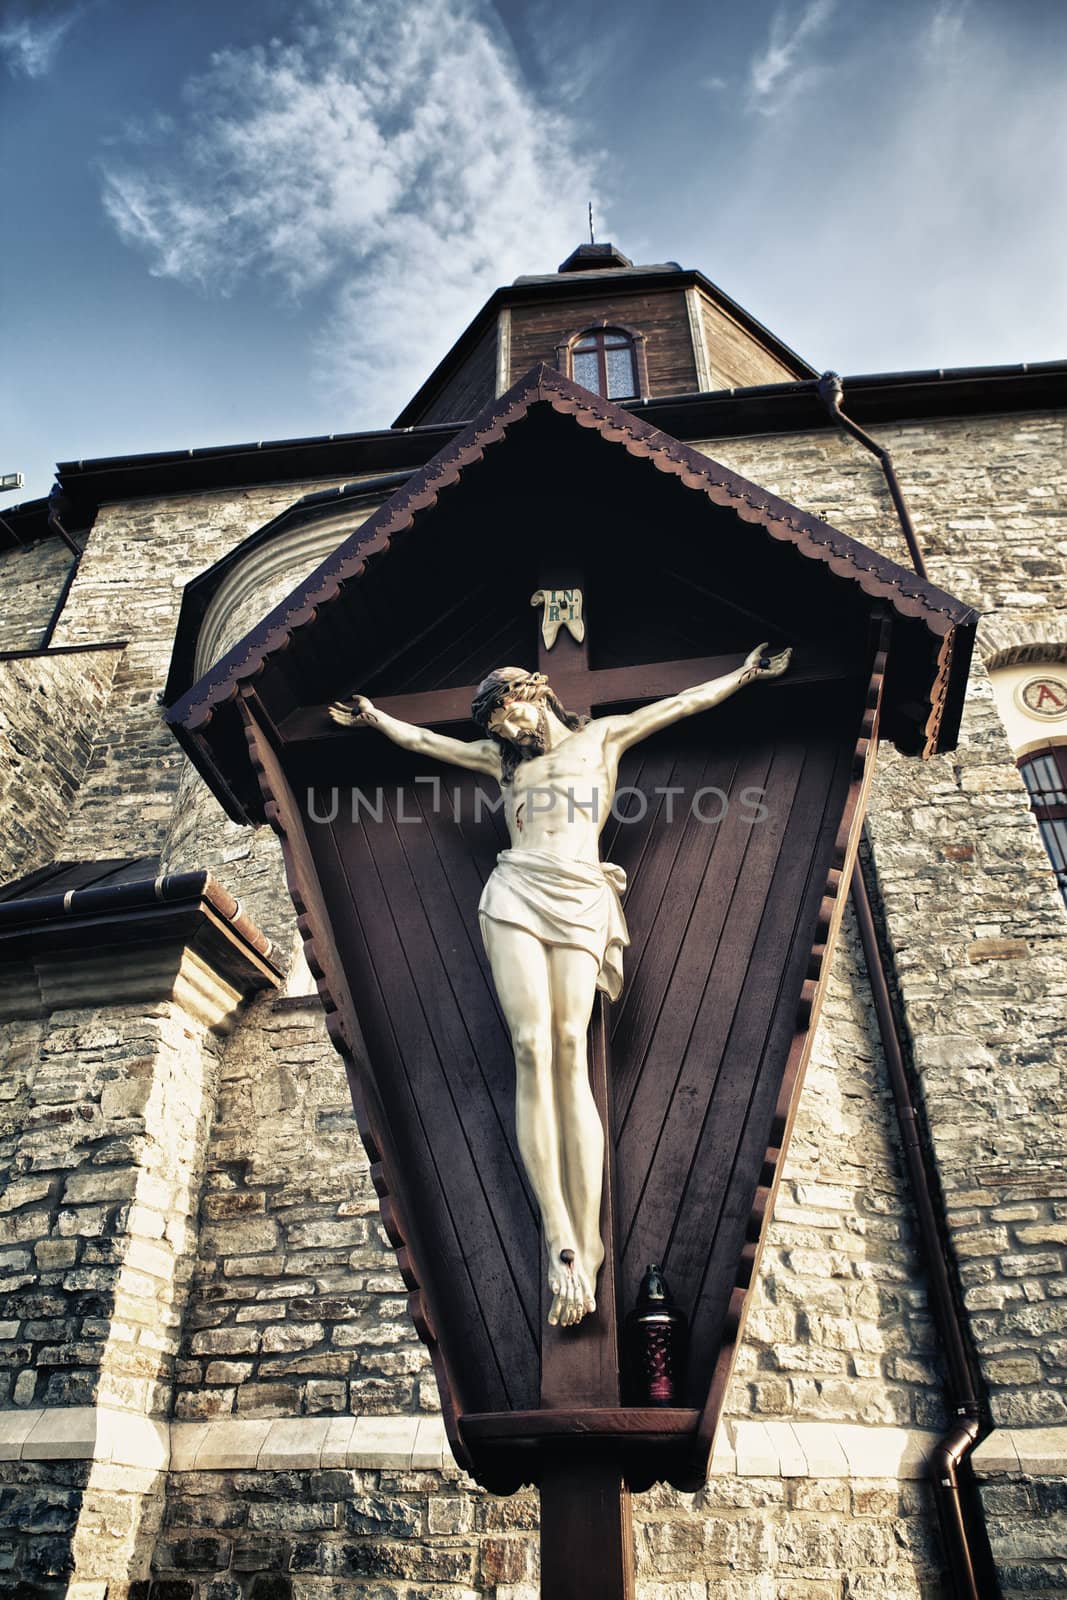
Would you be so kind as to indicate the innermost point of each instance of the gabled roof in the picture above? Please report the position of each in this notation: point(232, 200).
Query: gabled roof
point(935, 630)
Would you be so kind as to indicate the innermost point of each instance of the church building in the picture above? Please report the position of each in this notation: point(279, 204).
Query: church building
point(230, 1367)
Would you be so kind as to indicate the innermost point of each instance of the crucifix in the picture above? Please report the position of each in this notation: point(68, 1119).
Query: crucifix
point(554, 931)
point(586, 1533)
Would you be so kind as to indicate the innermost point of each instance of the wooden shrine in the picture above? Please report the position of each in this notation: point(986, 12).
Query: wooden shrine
point(737, 830)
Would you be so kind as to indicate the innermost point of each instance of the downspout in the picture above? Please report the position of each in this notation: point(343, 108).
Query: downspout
point(963, 1531)
point(831, 391)
point(56, 527)
point(951, 1451)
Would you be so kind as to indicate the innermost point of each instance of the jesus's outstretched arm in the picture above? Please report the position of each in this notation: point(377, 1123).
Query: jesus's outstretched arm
point(478, 755)
point(637, 725)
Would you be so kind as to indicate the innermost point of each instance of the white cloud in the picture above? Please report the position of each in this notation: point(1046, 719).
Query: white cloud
point(389, 155)
point(780, 72)
point(927, 197)
point(30, 44)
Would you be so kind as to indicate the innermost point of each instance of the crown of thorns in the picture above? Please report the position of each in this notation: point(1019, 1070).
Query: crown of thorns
point(506, 683)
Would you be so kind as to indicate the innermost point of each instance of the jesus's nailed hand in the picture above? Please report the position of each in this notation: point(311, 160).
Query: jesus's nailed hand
point(358, 712)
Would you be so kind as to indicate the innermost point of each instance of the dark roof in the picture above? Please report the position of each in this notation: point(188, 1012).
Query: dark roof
point(588, 257)
point(870, 398)
point(60, 876)
point(88, 485)
point(23, 524)
point(614, 274)
point(936, 630)
point(76, 906)
point(567, 286)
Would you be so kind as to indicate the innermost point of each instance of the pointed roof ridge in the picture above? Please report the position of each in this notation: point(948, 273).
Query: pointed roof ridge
point(910, 596)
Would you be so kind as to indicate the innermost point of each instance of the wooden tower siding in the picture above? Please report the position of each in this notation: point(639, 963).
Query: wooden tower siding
point(737, 361)
point(471, 387)
point(661, 315)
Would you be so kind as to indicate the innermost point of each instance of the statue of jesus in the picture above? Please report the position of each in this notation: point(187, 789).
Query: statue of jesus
point(552, 923)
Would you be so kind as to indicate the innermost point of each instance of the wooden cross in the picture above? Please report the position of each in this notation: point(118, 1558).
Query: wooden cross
point(580, 687)
point(586, 1526)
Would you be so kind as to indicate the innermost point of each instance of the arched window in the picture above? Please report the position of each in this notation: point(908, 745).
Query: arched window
point(1045, 775)
point(604, 360)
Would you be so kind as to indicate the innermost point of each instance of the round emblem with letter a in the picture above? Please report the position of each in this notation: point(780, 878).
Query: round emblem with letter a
point(1043, 697)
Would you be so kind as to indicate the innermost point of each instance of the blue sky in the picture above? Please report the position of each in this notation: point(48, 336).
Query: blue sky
point(265, 220)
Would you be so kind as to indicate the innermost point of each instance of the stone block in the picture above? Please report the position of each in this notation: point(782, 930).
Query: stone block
point(285, 1337)
point(335, 1450)
point(382, 1441)
point(252, 1237)
point(24, 1192)
point(260, 1552)
point(268, 1399)
point(99, 1184)
point(244, 1340)
point(203, 1404)
point(378, 1515)
point(15, 1429)
point(294, 1443)
point(380, 1558)
point(448, 1514)
point(227, 1372)
point(197, 1554)
point(54, 1254)
point(62, 1434)
point(283, 1517)
point(505, 1560)
point(325, 1396)
point(323, 1233)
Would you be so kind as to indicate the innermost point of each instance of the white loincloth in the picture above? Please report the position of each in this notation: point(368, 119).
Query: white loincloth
point(562, 902)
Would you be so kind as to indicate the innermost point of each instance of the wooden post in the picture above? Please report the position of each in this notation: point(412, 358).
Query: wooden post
point(587, 1537)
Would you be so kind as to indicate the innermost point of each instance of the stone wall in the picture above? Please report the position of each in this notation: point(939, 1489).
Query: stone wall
point(40, 1503)
point(977, 930)
point(101, 1147)
point(50, 709)
point(297, 1306)
point(31, 580)
point(101, 1162)
point(320, 1535)
point(296, 1311)
point(839, 1327)
point(138, 559)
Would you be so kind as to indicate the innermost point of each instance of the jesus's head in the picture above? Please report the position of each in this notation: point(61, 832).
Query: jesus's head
point(512, 706)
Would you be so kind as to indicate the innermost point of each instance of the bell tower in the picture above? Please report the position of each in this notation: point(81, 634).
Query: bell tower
point(628, 333)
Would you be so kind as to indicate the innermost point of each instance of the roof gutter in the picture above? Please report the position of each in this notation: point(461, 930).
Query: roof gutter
point(961, 1524)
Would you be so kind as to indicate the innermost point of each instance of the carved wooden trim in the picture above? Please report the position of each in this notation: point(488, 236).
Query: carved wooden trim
point(313, 921)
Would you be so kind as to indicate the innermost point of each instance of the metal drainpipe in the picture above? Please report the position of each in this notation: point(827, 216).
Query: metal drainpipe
point(56, 527)
point(831, 391)
point(963, 1532)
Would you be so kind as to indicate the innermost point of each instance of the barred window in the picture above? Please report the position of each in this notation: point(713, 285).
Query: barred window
point(1045, 775)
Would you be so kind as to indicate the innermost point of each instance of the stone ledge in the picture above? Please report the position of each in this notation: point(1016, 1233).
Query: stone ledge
point(404, 1443)
point(820, 1450)
point(1031, 1452)
point(85, 1433)
point(742, 1449)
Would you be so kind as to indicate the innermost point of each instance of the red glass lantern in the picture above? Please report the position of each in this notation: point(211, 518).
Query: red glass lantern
point(655, 1342)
